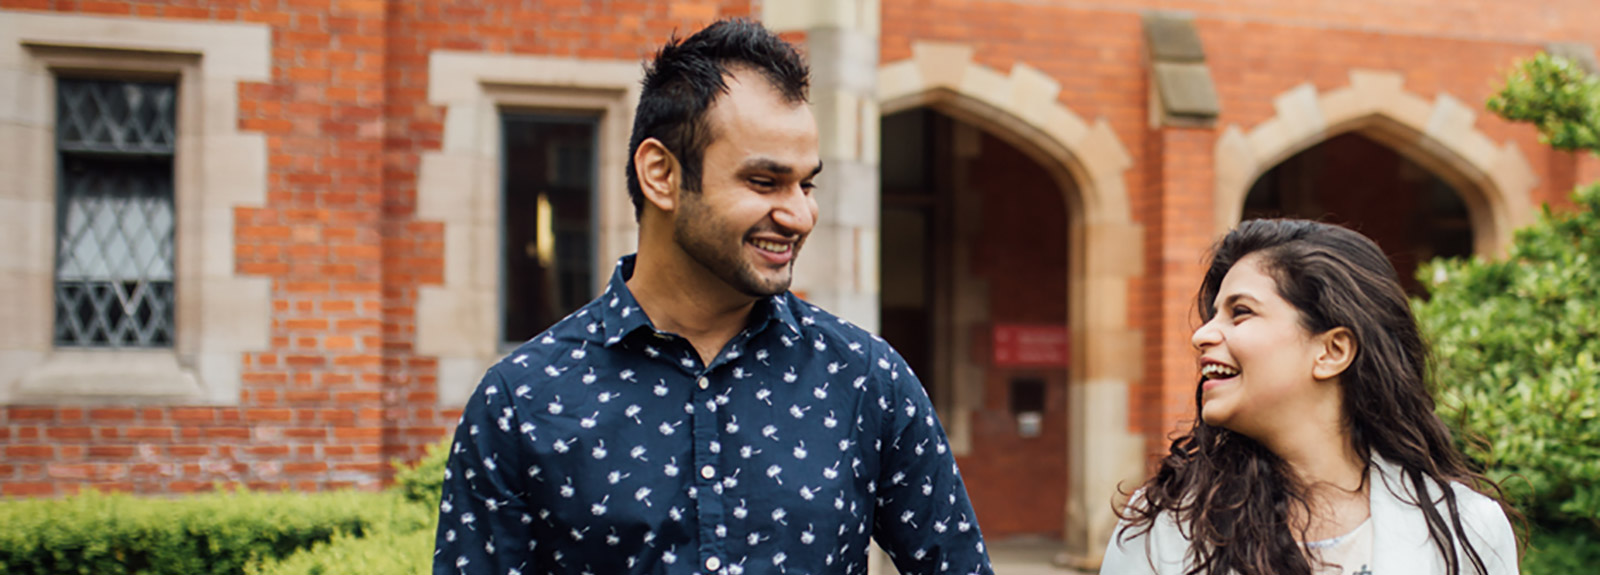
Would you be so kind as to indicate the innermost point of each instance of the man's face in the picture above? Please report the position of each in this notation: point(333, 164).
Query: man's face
point(755, 206)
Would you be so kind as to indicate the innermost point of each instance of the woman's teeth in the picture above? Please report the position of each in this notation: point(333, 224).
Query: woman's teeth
point(1217, 371)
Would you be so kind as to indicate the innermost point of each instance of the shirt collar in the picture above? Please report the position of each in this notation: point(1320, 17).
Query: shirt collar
point(622, 315)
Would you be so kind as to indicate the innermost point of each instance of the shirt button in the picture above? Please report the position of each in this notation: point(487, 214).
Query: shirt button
point(708, 472)
point(704, 383)
point(713, 564)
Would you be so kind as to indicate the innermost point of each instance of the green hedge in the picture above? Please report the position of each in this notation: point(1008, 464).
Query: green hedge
point(383, 553)
point(211, 534)
point(1572, 549)
point(400, 547)
point(423, 481)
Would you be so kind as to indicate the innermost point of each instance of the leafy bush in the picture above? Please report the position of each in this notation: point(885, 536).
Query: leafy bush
point(209, 534)
point(423, 481)
point(1562, 550)
point(384, 553)
point(1517, 342)
point(1557, 97)
point(1517, 345)
point(400, 546)
point(226, 533)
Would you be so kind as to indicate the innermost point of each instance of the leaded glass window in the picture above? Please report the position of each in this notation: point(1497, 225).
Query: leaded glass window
point(115, 214)
point(549, 230)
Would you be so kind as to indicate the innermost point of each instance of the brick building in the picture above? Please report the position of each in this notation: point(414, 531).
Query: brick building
point(269, 242)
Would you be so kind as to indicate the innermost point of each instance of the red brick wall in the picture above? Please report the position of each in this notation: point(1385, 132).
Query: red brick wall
point(1256, 49)
point(347, 119)
point(1178, 232)
point(346, 115)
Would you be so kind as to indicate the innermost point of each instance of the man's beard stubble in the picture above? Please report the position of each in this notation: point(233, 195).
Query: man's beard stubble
point(698, 234)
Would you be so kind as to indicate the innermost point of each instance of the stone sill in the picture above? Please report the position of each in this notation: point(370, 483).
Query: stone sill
point(121, 377)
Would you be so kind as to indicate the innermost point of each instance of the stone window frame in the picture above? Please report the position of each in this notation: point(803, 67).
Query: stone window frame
point(217, 168)
point(460, 185)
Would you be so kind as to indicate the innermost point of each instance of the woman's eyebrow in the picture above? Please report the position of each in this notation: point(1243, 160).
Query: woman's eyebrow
point(1234, 298)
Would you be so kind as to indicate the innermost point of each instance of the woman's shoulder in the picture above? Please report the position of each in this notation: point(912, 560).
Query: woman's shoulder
point(1157, 547)
point(1485, 521)
point(1485, 524)
point(1484, 513)
point(1472, 500)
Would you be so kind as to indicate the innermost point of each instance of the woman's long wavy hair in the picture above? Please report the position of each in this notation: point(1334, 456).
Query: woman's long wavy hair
point(1229, 494)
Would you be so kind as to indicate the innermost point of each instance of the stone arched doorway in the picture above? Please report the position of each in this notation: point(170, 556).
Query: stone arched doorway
point(973, 250)
point(1492, 181)
point(1020, 112)
point(1349, 179)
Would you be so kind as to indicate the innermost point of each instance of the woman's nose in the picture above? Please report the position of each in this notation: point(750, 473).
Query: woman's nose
point(1208, 335)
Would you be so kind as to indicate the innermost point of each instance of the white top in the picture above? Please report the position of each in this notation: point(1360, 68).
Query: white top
point(1401, 543)
point(1348, 554)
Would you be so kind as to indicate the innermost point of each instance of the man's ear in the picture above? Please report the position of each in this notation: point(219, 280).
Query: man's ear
point(660, 175)
point(1337, 353)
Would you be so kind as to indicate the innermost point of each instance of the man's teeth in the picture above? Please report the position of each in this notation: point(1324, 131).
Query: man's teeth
point(1217, 371)
point(772, 246)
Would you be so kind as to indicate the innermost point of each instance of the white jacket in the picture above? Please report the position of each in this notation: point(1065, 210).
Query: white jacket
point(1401, 544)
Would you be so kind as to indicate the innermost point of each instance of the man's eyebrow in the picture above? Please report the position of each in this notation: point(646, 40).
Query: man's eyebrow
point(776, 167)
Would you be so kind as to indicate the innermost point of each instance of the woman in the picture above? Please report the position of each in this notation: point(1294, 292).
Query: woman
point(1316, 433)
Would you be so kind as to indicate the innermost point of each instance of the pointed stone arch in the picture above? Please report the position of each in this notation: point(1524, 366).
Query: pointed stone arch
point(1494, 180)
point(1088, 163)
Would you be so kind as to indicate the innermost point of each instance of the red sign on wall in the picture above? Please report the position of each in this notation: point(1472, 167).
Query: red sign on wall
point(1017, 345)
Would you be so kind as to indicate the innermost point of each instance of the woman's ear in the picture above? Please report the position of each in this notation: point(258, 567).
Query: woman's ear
point(1337, 353)
point(660, 176)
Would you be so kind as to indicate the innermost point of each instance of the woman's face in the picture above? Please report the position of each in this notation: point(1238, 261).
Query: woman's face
point(1256, 358)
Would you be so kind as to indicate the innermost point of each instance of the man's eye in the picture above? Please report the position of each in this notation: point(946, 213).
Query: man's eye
point(808, 186)
point(762, 182)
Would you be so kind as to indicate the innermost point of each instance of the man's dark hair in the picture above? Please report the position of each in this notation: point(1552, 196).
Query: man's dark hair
point(687, 75)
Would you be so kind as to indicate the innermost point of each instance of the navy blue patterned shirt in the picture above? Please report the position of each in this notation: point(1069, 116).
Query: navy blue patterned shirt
point(604, 446)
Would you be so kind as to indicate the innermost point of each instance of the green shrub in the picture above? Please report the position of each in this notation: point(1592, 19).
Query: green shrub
point(1517, 342)
point(212, 534)
point(1562, 550)
point(1517, 346)
point(1557, 97)
point(423, 481)
point(382, 553)
point(399, 546)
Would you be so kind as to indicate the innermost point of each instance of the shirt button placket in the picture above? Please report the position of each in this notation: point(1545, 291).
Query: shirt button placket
point(708, 503)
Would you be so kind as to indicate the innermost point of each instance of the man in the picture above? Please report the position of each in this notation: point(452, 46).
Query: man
point(697, 417)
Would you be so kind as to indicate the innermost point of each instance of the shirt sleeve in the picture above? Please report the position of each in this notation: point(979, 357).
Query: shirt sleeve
point(923, 519)
point(483, 519)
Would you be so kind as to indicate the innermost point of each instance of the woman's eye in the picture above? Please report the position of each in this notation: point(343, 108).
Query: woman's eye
point(1240, 311)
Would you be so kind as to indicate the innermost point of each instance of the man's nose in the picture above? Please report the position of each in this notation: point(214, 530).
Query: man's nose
point(796, 211)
